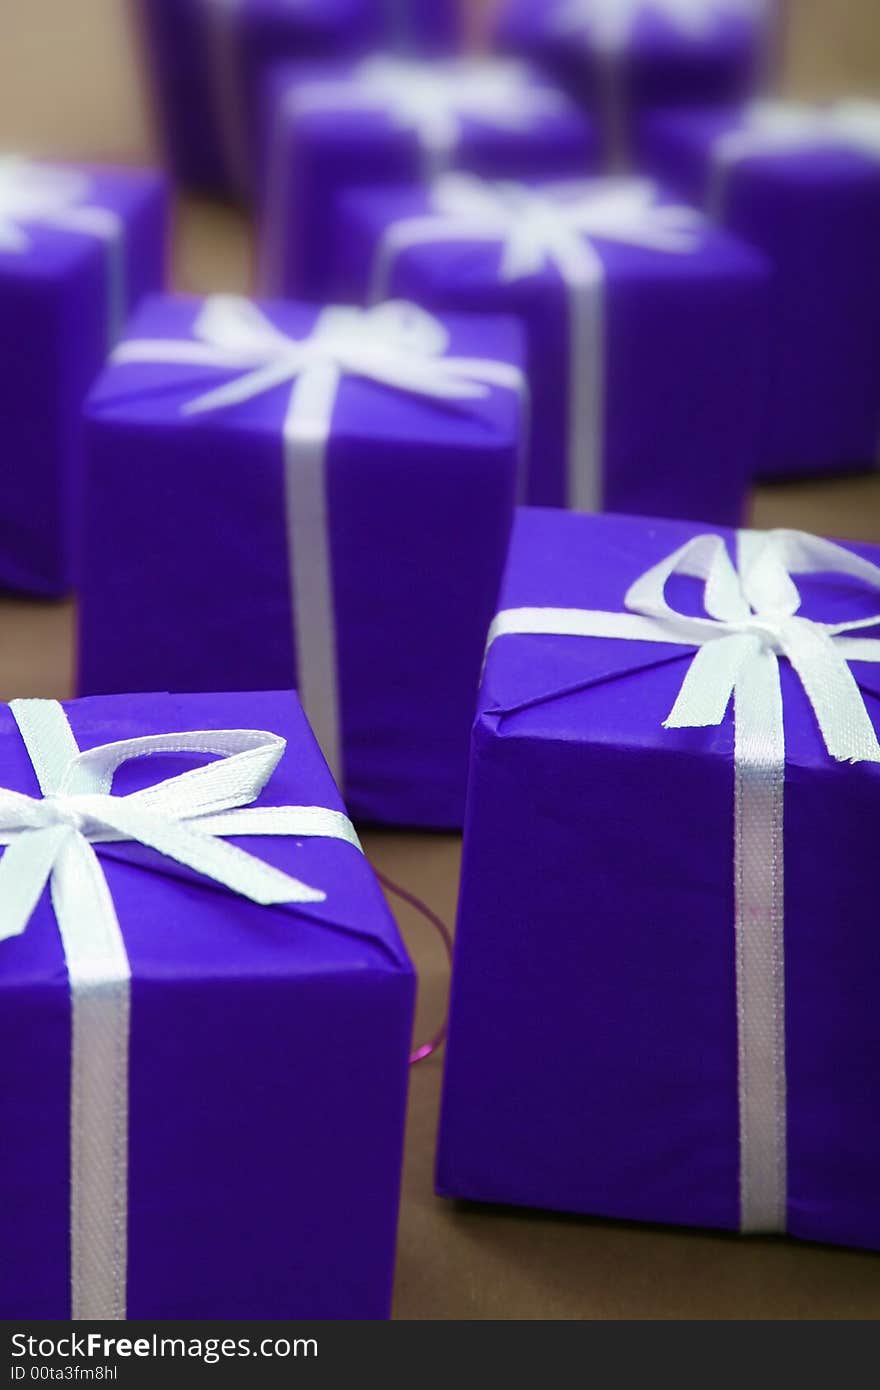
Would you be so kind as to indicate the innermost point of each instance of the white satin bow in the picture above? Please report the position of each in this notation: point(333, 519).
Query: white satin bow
point(40, 194)
point(397, 344)
point(549, 224)
point(753, 616)
point(610, 23)
point(752, 619)
point(770, 127)
point(184, 818)
point(434, 98)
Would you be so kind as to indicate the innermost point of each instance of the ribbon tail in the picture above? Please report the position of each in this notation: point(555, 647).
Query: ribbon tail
point(709, 684)
point(312, 821)
point(205, 854)
point(24, 870)
point(834, 695)
point(243, 388)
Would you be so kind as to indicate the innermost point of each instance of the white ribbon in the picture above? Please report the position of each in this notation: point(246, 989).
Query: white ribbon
point(554, 225)
point(779, 128)
point(430, 99)
point(40, 195)
point(50, 838)
point(434, 99)
point(395, 344)
point(752, 622)
point(608, 25)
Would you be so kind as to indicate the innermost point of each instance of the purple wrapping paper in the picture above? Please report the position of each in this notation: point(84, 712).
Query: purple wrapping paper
point(815, 215)
point(592, 1056)
point(55, 305)
point(684, 354)
point(268, 1059)
point(311, 160)
point(204, 61)
point(661, 66)
point(185, 581)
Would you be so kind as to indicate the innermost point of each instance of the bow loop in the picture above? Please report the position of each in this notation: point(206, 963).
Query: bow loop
point(705, 558)
point(754, 611)
point(392, 332)
point(239, 327)
point(246, 759)
point(545, 224)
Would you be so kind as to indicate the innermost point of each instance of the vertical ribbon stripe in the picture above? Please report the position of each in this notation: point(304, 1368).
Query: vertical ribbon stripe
point(100, 988)
point(585, 471)
point(306, 434)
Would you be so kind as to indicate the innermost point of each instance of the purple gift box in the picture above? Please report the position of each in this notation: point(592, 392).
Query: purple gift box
point(204, 62)
point(804, 187)
point(384, 121)
point(623, 59)
point(644, 328)
point(78, 247)
point(338, 522)
point(208, 1093)
point(666, 978)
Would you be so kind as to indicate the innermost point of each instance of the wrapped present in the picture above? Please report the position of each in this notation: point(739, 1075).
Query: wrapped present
point(205, 59)
point(331, 494)
point(389, 121)
point(644, 328)
point(623, 57)
point(208, 1019)
point(666, 979)
point(803, 185)
point(78, 247)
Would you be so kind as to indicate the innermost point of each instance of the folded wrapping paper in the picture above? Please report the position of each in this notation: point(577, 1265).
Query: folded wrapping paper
point(78, 247)
point(802, 185)
point(649, 1020)
point(184, 1131)
point(628, 56)
point(205, 60)
point(623, 296)
point(344, 483)
point(385, 121)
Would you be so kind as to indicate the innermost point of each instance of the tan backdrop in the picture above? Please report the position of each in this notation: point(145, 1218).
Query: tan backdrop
point(69, 87)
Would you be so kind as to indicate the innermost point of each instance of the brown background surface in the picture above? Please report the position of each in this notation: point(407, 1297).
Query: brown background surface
point(69, 87)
